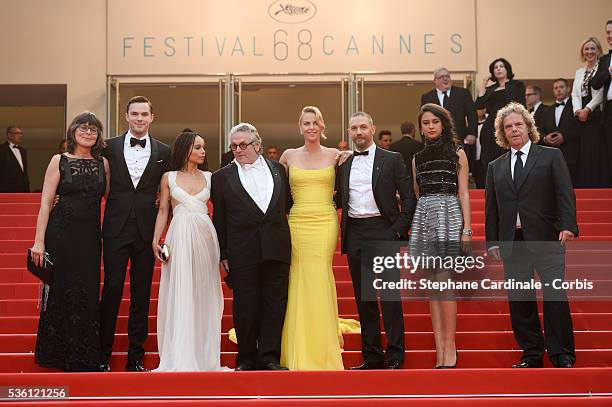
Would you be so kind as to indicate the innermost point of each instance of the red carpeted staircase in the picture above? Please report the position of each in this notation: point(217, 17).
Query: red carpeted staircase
point(486, 344)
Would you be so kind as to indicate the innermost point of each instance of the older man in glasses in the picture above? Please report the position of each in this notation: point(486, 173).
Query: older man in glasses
point(251, 200)
point(13, 163)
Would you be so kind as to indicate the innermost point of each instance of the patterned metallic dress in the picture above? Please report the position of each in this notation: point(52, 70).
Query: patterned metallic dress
point(438, 221)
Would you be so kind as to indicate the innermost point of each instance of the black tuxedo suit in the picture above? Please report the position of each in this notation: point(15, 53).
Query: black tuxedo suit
point(12, 177)
point(407, 147)
point(546, 203)
point(129, 220)
point(389, 175)
point(257, 246)
point(539, 116)
point(601, 79)
point(568, 127)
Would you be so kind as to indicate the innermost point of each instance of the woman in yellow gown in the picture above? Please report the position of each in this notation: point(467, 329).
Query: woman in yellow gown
point(312, 339)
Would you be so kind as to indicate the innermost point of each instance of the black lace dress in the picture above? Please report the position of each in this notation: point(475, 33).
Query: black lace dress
point(69, 327)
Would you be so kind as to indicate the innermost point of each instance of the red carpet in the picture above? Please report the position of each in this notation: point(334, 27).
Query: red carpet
point(485, 341)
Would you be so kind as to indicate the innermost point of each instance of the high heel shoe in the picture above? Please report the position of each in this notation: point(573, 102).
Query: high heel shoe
point(448, 366)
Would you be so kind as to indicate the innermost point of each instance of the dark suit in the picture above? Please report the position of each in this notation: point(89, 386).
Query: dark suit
point(601, 79)
point(568, 127)
point(389, 175)
point(539, 116)
point(129, 220)
point(546, 203)
point(461, 106)
point(257, 246)
point(407, 147)
point(12, 177)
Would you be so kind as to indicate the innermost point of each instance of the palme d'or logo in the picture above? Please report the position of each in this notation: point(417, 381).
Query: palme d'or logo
point(292, 11)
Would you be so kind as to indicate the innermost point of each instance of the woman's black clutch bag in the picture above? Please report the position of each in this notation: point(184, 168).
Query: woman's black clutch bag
point(44, 273)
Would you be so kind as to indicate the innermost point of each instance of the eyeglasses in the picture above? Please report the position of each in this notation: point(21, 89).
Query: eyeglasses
point(84, 129)
point(242, 146)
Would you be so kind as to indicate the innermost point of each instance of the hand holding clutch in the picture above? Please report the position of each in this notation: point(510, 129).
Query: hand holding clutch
point(41, 268)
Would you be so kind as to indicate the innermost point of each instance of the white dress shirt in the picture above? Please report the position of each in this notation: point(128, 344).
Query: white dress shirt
point(17, 154)
point(578, 93)
point(441, 96)
point(559, 111)
point(257, 179)
point(525, 151)
point(136, 157)
point(361, 196)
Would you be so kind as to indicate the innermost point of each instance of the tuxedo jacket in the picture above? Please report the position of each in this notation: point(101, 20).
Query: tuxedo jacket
point(601, 79)
point(12, 177)
point(247, 235)
point(462, 108)
point(407, 147)
point(568, 127)
point(389, 176)
point(123, 198)
point(539, 116)
point(544, 199)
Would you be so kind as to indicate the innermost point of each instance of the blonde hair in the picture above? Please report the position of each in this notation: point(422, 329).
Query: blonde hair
point(318, 118)
point(513, 107)
point(595, 41)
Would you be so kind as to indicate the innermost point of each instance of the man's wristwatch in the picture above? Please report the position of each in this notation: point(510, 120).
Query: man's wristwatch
point(467, 232)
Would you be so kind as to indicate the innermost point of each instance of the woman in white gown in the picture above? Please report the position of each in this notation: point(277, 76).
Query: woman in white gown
point(190, 305)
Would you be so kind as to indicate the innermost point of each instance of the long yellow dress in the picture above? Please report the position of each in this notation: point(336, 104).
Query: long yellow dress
point(311, 335)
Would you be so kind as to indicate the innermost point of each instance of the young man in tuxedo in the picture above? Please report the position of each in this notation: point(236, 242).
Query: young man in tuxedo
point(137, 162)
point(530, 212)
point(560, 129)
point(13, 163)
point(367, 184)
point(537, 109)
point(602, 79)
point(407, 146)
point(250, 203)
point(458, 101)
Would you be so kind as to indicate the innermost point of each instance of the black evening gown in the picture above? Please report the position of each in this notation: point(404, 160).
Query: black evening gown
point(69, 328)
point(593, 150)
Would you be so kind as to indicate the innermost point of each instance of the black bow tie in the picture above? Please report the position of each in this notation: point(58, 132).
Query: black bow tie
point(16, 146)
point(356, 153)
point(142, 143)
point(557, 104)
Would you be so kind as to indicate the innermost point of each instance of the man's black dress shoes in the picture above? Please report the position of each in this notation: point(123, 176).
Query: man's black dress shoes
point(104, 367)
point(395, 364)
point(135, 366)
point(526, 364)
point(369, 366)
point(565, 362)
point(243, 367)
point(273, 366)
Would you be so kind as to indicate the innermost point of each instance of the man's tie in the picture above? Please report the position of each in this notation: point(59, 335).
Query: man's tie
point(356, 153)
point(557, 104)
point(142, 143)
point(255, 164)
point(445, 99)
point(531, 110)
point(16, 146)
point(518, 169)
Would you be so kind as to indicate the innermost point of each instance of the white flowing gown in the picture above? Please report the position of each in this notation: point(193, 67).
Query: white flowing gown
point(190, 305)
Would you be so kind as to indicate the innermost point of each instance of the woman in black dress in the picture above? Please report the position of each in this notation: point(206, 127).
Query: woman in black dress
point(587, 109)
point(492, 98)
point(68, 329)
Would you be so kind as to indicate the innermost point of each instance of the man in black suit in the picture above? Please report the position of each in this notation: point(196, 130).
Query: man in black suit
point(459, 102)
point(602, 79)
point(407, 146)
point(560, 127)
point(251, 200)
point(13, 163)
point(137, 162)
point(367, 184)
point(530, 212)
point(533, 99)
